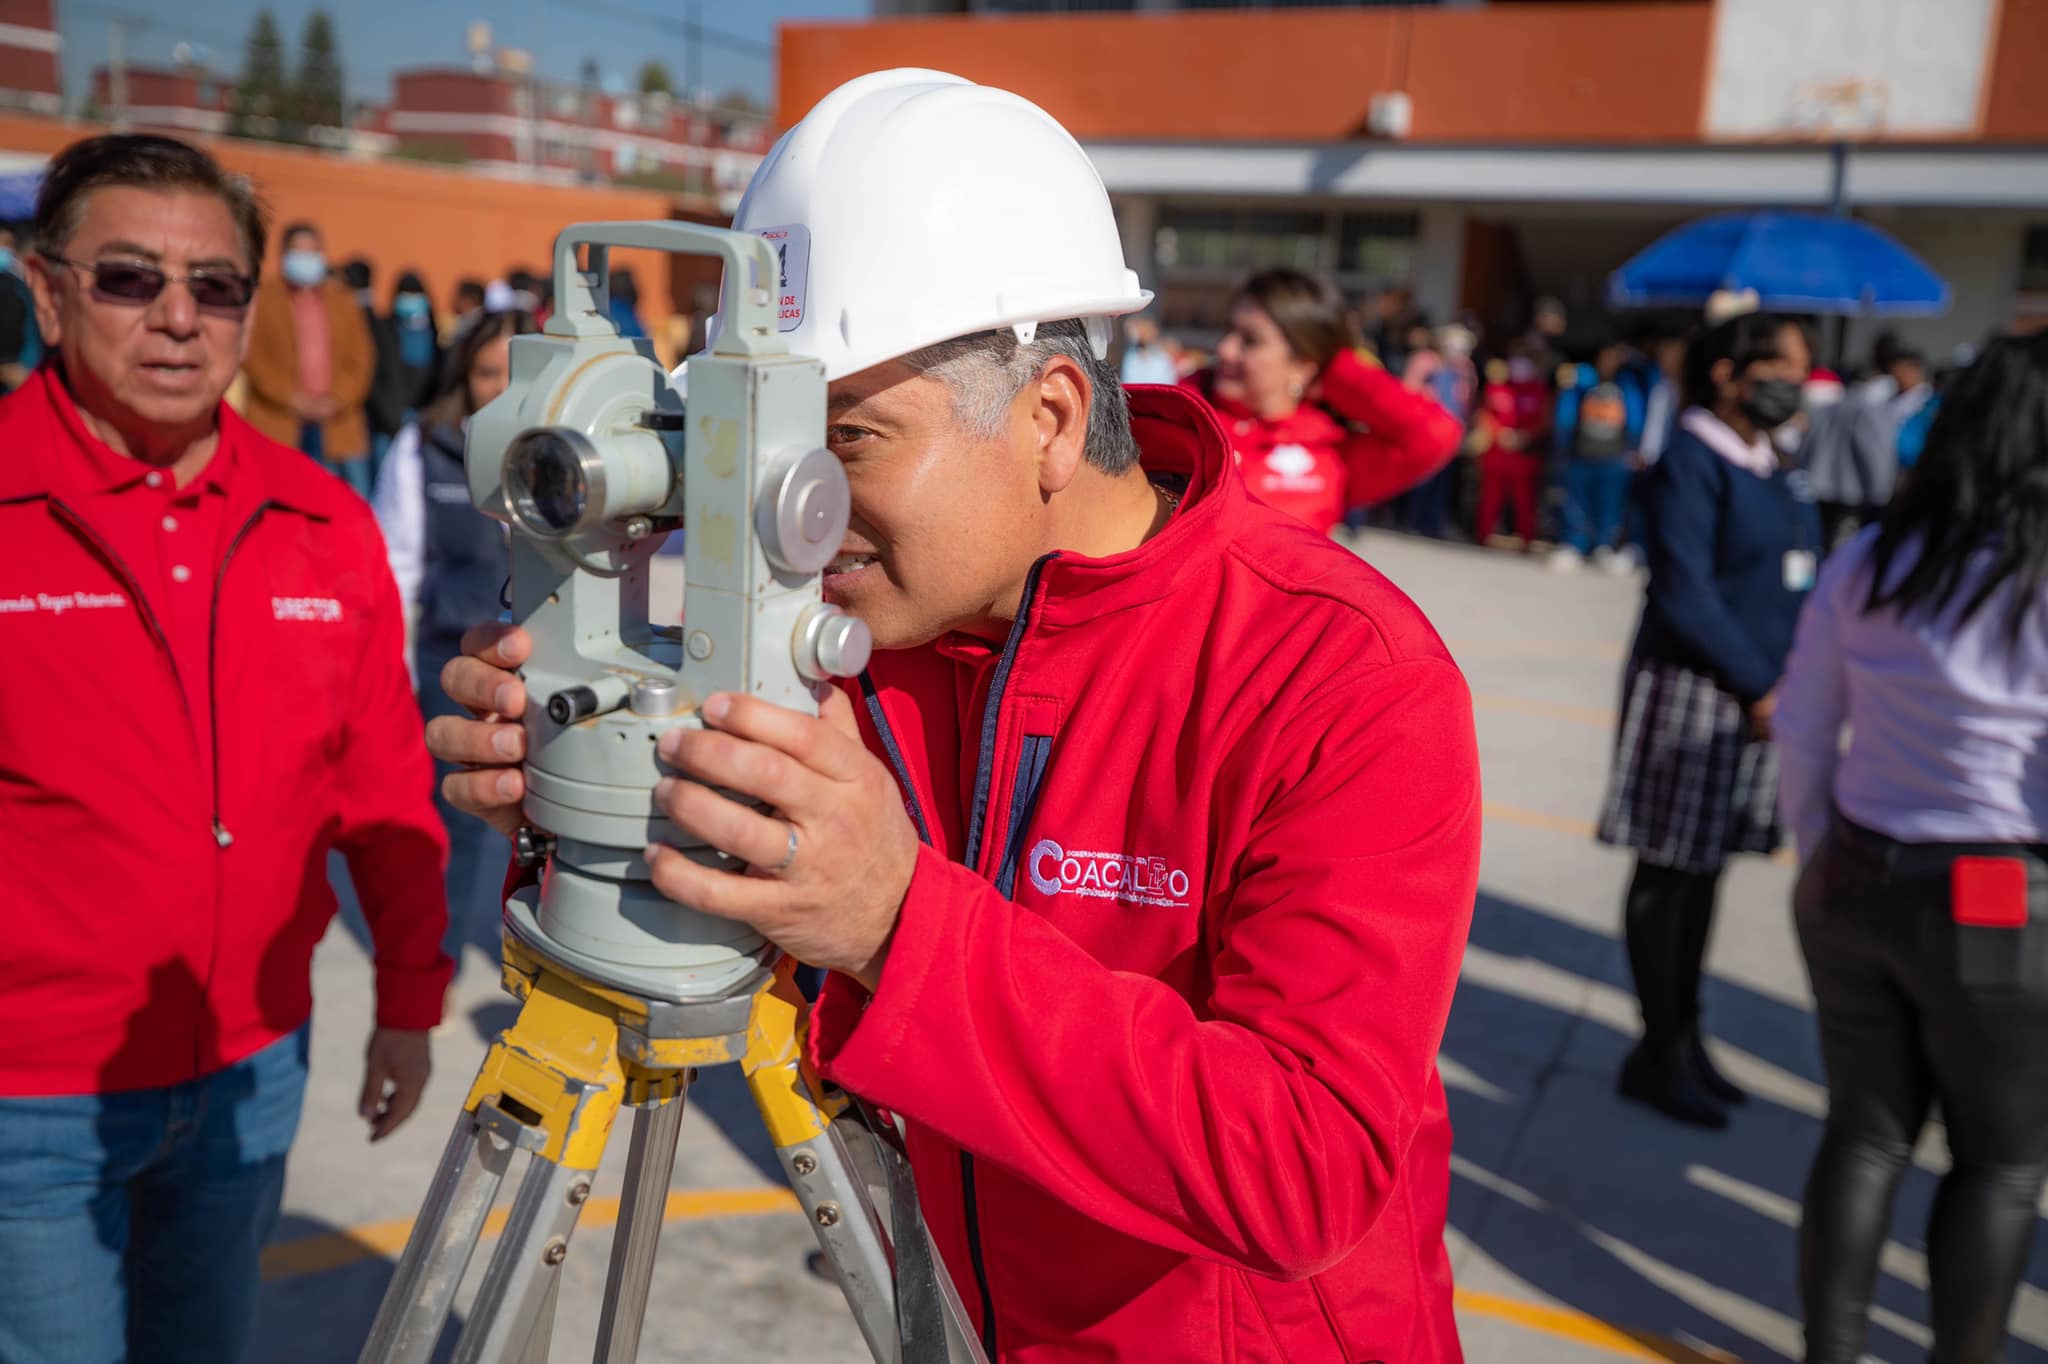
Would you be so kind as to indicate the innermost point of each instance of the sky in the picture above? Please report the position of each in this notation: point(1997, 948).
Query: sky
point(380, 36)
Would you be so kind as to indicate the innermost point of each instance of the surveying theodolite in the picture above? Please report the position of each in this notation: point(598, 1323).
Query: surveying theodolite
point(591, 457)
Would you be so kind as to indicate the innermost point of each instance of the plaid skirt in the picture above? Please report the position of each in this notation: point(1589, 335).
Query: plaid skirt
point(1690, 785)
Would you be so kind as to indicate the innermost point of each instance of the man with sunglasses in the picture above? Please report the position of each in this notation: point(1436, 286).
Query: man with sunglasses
point(203, 693)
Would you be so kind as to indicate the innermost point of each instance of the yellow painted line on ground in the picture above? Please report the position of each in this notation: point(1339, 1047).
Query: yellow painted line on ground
point(384, 1240)
point(1536, 819)
point(1595, 716)
point(1566, 1324)
point(1584, 828)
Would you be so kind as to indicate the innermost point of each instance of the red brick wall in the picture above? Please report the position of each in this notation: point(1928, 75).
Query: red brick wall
point(1557, 72)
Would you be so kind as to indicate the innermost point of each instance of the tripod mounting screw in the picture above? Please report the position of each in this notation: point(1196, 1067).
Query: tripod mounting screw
point(805, 1163)
point(557, 1251)
point(578, 1193)
point(827, 1214)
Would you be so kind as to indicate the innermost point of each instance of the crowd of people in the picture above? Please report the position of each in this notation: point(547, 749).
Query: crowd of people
point(1554, 433)
point(1869, 558)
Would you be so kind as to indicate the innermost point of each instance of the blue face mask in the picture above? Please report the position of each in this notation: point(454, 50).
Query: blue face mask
point(6, 259)
point(411, 307)
point(304, 268)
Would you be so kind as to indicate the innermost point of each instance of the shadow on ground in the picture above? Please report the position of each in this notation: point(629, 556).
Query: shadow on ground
point(317, 1272)
point(1680, 1235)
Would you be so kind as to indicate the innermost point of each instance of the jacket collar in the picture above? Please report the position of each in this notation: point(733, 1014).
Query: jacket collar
point(1178, 437)
point(1759, 456)
point(58, 457)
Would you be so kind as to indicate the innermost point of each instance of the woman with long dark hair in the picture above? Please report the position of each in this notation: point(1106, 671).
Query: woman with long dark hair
point(1318, 426)
point(1923, 905)
point(1732, 544)
point(451, 563)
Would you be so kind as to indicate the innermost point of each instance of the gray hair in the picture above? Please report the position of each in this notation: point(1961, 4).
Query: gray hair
point(987, 370)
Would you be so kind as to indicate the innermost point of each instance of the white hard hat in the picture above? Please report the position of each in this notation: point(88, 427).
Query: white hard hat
point(910, 207)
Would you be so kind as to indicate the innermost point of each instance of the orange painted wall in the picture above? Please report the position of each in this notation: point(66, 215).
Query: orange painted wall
point(1523, 73)
point(2016, 107)
point(444, 223)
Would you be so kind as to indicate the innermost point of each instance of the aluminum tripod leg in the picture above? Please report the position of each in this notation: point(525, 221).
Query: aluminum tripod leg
point(437, 1254)
point(518, 1287)
point(834, 1168)
point(543, 1337)
point(650, 1164)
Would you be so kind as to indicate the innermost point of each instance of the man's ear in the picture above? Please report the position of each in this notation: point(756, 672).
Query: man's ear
point(42, 284)
point(1057, 409)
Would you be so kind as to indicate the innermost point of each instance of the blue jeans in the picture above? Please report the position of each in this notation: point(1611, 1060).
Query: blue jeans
point(131, 1223)
point(354, 472)
point(1428, 504)
point(1595, 502)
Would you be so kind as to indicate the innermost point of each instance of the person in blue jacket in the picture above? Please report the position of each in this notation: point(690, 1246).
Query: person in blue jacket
point(1734, 543)
point(1598, 428)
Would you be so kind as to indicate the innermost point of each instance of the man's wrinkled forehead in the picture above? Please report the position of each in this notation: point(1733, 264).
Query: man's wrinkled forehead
point(891, 390)
point(135, 221)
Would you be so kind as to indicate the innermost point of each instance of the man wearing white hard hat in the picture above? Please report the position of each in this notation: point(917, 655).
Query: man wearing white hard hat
point(1144, 853)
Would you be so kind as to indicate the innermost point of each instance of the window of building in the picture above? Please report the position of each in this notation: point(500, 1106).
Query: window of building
point(1204, 252)
point(1201, 240)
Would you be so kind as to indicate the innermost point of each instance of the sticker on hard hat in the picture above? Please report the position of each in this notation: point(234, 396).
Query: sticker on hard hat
point(793, 269)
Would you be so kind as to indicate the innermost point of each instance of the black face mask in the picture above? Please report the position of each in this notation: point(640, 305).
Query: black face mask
point(1772, 402)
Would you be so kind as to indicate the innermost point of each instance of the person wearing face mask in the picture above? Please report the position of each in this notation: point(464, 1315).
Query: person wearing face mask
point(1317, 426)
point(1733, 543)
point(408, 366)
point(450, 562)
point(312, 361)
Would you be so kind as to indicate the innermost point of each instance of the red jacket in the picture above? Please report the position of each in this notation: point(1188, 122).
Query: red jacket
point(1163, 1006)
point(1521, 406)
point(1315, 464)
point(143, 947)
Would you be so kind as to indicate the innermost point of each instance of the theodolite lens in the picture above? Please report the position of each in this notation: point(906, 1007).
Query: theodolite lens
point(548, 477)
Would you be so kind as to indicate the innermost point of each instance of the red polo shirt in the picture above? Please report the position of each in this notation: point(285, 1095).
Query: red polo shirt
point(170, 538)
point(203, 692)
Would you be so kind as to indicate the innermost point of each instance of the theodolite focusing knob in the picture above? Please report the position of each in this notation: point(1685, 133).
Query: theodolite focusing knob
point(571, 704)
point(803, 512)
point(830, 643)
point(599, 696)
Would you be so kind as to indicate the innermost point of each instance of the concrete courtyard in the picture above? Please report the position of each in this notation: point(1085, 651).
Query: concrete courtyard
point(1583, 1229)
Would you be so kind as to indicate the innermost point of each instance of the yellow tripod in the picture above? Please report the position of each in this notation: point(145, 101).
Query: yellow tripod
point(553, 1083)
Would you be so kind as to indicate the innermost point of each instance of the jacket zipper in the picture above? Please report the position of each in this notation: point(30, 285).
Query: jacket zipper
point(984, 777)
point(221, 835)
point(880, 718)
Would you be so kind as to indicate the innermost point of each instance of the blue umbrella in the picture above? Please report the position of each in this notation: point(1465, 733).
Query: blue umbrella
point(1796, 263)
point(18, 195)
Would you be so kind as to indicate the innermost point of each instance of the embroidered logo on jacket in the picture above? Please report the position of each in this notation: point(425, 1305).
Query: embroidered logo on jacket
point(57, 603)
point(325, 610)
point(1124, 877)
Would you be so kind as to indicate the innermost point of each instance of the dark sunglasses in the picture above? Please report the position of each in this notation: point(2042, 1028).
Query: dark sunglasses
point(133, 282)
